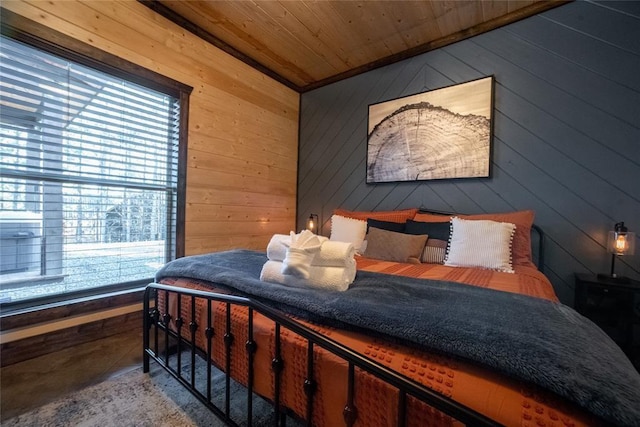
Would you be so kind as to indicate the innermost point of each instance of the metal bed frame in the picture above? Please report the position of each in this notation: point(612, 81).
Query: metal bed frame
point(156, 323)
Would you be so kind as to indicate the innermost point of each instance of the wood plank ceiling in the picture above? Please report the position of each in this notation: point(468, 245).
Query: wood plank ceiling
point(306, 44)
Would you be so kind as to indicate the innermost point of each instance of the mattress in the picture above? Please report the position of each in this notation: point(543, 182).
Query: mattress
point(503, 399)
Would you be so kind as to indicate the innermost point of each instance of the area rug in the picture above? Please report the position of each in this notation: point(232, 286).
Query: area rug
point(138, 399)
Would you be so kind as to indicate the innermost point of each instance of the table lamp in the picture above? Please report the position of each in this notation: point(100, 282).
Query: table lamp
point(313, 224)
point(620, 242)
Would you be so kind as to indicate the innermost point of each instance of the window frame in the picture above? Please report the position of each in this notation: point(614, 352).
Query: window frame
point(24, 30)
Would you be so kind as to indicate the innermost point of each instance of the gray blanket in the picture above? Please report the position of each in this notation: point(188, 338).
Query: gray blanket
point(530, 339)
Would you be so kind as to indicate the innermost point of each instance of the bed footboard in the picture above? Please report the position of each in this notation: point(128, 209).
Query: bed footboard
point(161, 328)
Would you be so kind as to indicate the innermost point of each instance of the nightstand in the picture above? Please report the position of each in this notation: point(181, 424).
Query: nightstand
point(614, 307)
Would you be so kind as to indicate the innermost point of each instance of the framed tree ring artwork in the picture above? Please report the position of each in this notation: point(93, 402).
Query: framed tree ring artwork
point(440, 134)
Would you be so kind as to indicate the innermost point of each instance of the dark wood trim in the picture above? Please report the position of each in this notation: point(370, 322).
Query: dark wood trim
point(514, 16)
point(179, 20)
point(181, 217)
point(28, 348)
point(59, 310)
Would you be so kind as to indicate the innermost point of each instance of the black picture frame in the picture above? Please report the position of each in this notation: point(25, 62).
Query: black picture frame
point(445, 133)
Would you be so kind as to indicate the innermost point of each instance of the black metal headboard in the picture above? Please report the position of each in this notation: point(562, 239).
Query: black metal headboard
point(537, 237)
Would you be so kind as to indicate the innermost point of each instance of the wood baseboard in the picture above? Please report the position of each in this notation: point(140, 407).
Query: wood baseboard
point(13, 319)
point(38, 345)
point(33, 332)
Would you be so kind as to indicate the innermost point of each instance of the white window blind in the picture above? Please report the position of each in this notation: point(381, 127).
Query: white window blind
point(88, 176)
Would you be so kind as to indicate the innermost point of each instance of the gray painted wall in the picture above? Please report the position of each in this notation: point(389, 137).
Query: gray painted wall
point(566, 133)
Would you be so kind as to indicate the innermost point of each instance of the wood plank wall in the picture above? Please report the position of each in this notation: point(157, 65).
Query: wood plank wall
point(567, 133)
point(243, 126)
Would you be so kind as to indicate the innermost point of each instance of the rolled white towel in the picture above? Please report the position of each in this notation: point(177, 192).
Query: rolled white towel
point(276, 250)
point(329, 278)
point(334, 254)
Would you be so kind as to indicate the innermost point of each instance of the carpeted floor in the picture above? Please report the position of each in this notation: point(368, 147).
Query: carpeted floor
point(138, 399)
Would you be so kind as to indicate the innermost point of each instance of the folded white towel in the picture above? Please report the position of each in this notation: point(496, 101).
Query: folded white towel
point(332, 253)
point(329, 278)
point(301, 250)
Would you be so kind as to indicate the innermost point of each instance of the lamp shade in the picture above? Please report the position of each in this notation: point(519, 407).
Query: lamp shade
point(621, 241)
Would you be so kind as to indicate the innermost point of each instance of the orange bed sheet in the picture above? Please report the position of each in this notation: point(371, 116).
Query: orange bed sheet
point(505, 400)
point(526, 280)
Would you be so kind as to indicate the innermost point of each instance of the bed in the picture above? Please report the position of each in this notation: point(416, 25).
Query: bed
point(409, 343)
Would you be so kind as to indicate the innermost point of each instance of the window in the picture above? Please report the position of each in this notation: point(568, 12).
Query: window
point(89, 177)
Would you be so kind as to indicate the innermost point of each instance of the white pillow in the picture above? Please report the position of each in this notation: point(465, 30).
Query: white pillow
point(480, 243)
point(348, 230)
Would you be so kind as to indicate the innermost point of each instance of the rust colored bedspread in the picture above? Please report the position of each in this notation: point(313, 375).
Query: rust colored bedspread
point(503, 399)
